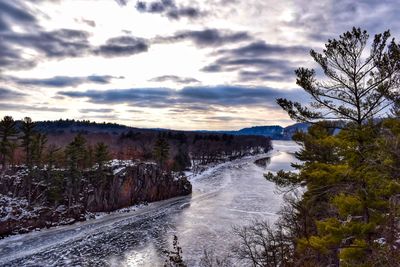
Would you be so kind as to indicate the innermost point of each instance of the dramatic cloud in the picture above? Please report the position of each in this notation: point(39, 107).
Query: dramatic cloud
point(123, 46)
point(176, 79)
point(169, 9)
point(7, 94)
point(253, 44)
point(53, 44)
point(14, 12)
point(207, 37)
point(140, 97)
point(197, 96)
point(62, 81)
point(261, 48)
point(258, 61)
point(234, 95)
point(59, 44)
point(322, 20)
point(276, 69)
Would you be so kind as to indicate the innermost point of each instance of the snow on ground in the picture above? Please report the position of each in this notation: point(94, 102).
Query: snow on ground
point(13, 208)
point(232, 193)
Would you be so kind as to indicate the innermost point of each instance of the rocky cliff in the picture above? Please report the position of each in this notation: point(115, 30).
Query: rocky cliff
point(131, 183)
point(120, 184)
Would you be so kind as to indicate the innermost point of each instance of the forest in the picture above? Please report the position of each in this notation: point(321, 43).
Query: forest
point(59, 172)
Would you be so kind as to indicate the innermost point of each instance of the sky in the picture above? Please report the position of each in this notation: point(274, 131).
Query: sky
point(189, 65)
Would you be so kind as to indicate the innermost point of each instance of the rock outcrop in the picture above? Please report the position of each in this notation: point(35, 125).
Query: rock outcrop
point(135, 183)
point(120, 184)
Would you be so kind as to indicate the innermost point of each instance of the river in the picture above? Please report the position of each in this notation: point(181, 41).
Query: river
point(230, 194)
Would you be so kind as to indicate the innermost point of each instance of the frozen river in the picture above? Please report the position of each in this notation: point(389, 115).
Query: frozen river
point(233, 193)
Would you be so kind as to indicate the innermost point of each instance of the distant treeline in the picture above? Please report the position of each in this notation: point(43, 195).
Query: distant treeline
point(174, 150)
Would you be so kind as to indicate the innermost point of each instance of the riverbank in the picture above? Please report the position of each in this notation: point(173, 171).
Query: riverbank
point(231, 193)
point(119, 185)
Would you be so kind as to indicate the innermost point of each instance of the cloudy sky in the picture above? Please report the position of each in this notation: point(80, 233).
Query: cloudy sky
point(190, 64)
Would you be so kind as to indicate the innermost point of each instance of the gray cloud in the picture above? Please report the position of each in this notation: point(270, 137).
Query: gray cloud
point(62, 81)
point(142, 97)
point(61, 44)
point(12, 12)
point(283, 75)
point(122, 46)
point(258, 61)
point(245, 66)
point(174, 78)
point(96, 110)
point(207, 37)
point(195, 96)
point(261, 48)
point(169, 9)
point(89, 22)
point(21, 107)
point(7, 94)
point(121, 2)
point(323, 20)
point(53, 44)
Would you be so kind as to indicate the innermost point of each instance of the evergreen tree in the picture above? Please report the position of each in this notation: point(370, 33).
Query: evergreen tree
point(38, 144)
point(89, 158)
point(349, 188)
point(28, 130)
point(53, 157)
point(101, 155)
point(75, 155)
point(8, 131)
point(357, 86)
point(181, 159)
point(161, 151)
point(13, 146)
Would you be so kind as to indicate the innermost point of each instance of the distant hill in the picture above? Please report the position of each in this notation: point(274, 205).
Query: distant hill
point(275, 132)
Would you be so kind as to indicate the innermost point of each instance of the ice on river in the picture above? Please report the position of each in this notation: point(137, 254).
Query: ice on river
point(232, 193)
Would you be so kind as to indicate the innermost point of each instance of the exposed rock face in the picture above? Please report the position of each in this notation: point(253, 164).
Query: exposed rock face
point(121, 184)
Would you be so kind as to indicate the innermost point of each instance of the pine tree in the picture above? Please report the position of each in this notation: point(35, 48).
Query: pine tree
point(38, 145)
point(357, 87)
point(101, 155)
point(53, 157)
point(161, 151)
point(8, 131)
point(28, 130)
point(182, 159)
point(348, 190)
point(75, 154)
